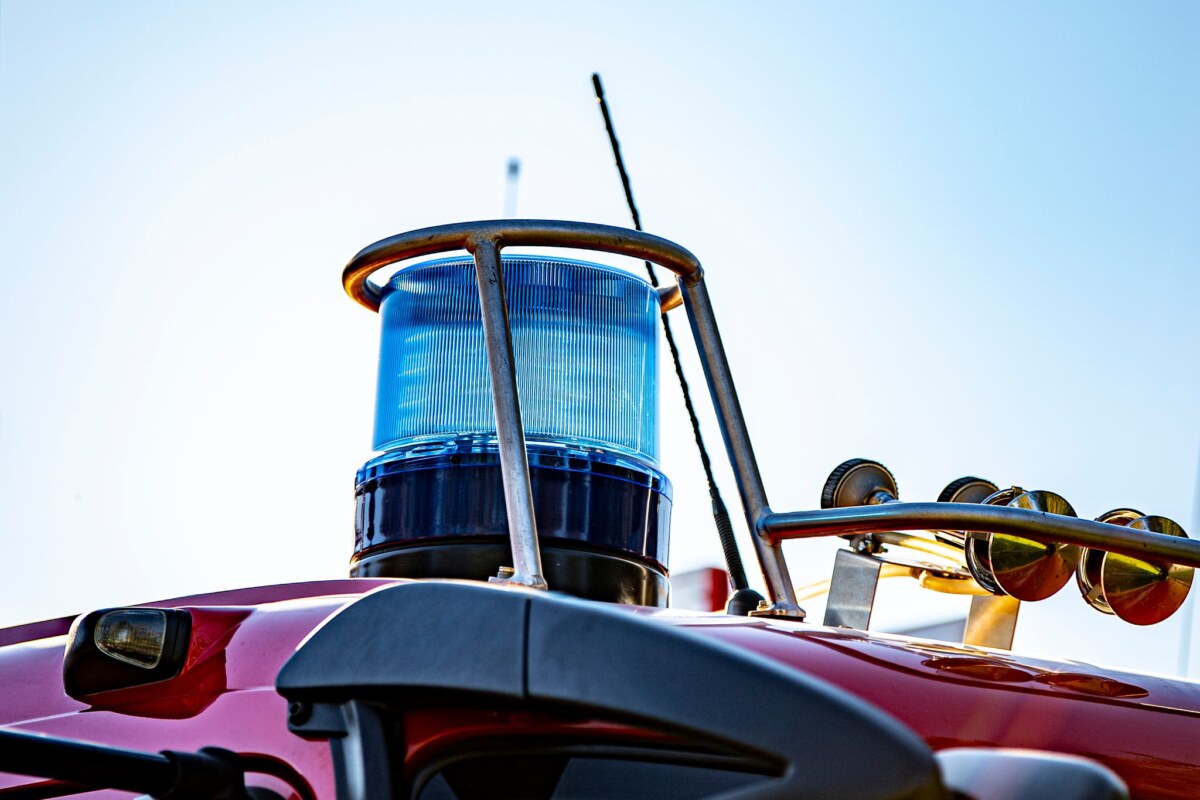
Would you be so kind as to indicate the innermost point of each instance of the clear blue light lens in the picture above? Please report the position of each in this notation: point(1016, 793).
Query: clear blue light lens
point(585, 342)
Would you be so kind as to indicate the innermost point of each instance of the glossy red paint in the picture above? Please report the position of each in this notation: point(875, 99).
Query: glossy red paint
point(225, 696)
point(200, 681)
point(255, 595)
point(1144, 727)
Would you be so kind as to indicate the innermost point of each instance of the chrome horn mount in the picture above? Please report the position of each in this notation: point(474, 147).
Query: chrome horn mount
point(1003, 558)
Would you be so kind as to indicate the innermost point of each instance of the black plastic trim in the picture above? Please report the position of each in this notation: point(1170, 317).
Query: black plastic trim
point(210, 773)
point(439, 643)
point(512, 751)
point(570, 568)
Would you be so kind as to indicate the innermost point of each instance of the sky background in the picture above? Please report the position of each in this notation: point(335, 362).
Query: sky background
point(956, 238)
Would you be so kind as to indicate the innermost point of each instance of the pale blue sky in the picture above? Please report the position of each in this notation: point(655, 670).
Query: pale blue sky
point(958, 238)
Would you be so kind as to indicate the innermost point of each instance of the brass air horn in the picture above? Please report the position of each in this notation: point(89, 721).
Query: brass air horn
point(1138, 591)
point(1142, 591)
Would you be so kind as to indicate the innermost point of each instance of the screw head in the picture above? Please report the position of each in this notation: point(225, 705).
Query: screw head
point(299, 712)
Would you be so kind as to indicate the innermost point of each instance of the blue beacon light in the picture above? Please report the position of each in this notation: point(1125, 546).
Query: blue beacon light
point(585, 342)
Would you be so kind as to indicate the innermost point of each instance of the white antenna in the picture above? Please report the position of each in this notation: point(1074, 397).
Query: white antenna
point(1189, 608)
point(510, 188)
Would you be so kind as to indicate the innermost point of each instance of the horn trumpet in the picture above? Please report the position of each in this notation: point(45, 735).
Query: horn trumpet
point(1022, 568)
point(1139, 591)
point(1027, 548)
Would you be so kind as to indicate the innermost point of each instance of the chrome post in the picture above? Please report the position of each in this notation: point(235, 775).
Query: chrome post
point(514, 461)
point(737, 444)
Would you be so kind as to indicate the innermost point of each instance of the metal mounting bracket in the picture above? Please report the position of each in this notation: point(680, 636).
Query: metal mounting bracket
point(852, 590)
point(992, 621)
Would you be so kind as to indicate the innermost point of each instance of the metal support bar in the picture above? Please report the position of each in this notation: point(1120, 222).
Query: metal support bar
point(737, 444)
point(1037, 525)
point(514, 460)
point(852, 590)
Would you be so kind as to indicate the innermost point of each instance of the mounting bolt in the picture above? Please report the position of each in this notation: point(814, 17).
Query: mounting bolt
point(298, 712)
point(865, 543)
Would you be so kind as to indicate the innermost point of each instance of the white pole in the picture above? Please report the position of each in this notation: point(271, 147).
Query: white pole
point(511, 184)
point(1189, 608)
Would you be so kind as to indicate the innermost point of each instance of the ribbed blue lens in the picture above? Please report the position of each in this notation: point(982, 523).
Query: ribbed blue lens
point(584, 341)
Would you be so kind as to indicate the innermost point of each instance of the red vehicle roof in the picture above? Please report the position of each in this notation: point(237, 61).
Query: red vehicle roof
point(950, 694)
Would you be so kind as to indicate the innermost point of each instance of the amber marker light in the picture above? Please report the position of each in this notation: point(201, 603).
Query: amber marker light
point(123, 647)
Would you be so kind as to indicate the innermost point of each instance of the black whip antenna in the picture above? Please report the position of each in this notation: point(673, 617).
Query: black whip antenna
point(744, 599)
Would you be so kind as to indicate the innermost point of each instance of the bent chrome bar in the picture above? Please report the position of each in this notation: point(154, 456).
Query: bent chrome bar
point(1036, 525)
point(484, 240)
point(531, 232)
point(669, 297)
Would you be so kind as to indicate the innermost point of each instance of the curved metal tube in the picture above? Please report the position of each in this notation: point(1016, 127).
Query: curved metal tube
point(964, 586)
point(669, 297)
point(930, 547)
point(1035, 525)
point(503, 233)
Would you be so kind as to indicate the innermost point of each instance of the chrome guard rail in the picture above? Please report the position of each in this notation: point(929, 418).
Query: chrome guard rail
point(1036, 525)
point(502, 233)
point(485, 239)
